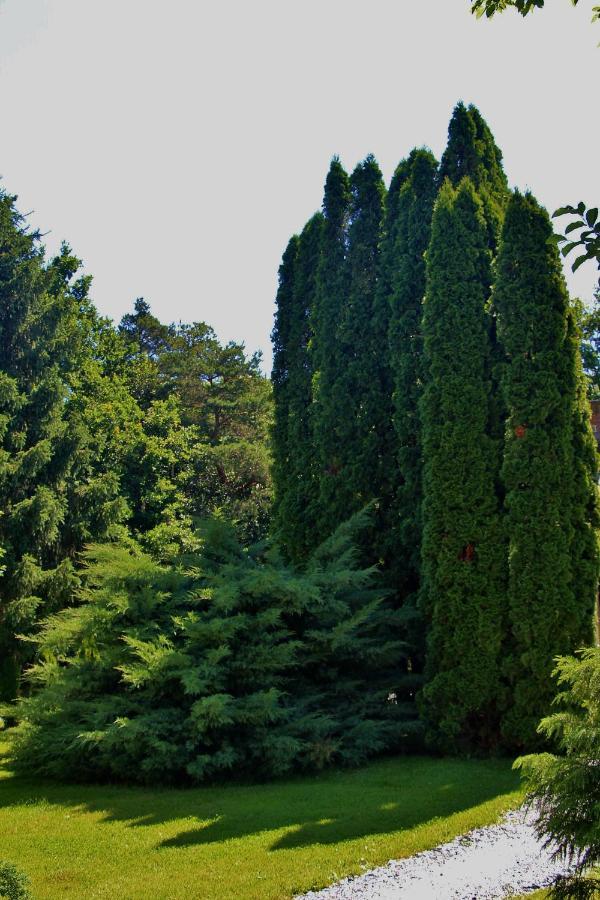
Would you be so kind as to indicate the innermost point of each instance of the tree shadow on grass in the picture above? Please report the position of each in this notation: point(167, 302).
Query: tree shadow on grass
point(387, 796)
point(356, 811)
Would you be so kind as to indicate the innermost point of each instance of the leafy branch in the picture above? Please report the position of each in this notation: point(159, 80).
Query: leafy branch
point(588, 239)
point(491, 7)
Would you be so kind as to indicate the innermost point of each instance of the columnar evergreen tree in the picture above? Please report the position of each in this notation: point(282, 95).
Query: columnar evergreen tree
point(547, 468)
point(325, 357)
point(297, 491)
point(364, 466)
point(409, 210)
point(471, 152)
point(280, 375)
point(585, 550)
point(463, 552)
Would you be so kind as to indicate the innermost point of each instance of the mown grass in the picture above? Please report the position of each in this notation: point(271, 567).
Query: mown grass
point(258, 842)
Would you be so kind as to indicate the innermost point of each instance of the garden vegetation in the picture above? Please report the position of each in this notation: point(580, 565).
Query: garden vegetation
point(208, 575)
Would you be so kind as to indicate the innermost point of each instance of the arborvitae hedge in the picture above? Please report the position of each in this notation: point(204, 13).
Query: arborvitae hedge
point(549, 504)
point(325, 356)
point(463, 582)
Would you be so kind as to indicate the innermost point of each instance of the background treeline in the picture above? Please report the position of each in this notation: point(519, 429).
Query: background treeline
point(109, 434)
point(427, 358)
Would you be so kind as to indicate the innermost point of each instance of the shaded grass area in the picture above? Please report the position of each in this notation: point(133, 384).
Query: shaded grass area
point(249, 842)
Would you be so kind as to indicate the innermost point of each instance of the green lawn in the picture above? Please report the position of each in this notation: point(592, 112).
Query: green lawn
point(257, 842)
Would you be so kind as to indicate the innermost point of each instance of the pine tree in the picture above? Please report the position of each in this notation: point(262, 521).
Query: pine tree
point(325, 357)
point(364, 467)
point(463, 553)
point(550, 502)
point(409, 211)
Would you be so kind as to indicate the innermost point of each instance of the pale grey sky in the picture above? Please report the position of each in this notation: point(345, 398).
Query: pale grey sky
point(177, 145)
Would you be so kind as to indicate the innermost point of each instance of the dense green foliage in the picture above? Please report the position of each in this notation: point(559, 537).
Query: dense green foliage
point(427, 366)
point(363, 384)
point(55, 492)
point(145, 430)
point(426, 433)
point(463, 550)
point(13, 884)
point(548, 468)
point(294, 513)
point(566, 787)
point(326, 357)
point(408, 227)
point(230, 662)
point(283, 364)
point(333, 441)
point(472, 153)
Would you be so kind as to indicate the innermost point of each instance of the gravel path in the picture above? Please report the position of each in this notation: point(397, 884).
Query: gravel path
point(486, 864)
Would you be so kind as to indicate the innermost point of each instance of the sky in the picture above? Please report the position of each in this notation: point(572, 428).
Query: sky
point(178, 145)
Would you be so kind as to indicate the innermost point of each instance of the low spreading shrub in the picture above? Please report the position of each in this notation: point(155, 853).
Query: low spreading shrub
point(226, 663)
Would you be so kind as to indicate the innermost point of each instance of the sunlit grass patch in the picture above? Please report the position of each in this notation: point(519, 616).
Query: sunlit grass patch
point(248, 842)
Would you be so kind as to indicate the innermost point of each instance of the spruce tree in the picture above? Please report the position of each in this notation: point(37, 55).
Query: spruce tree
point(325, 357)
point(53, 494)
point(550, 501)
point(463, 555)
point(364, 466)
point(408, 227)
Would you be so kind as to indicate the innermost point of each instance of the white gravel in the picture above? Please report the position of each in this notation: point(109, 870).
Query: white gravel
point(486, 864)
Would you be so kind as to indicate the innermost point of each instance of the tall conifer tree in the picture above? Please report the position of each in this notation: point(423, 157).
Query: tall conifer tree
point(472, 153)
point(585, 549)
point(463, 556)
point(280, 375)
point(547, 469)
point(410, 207)
point(296, 502)
point(52, 495)
point(326, 359)
point(362, 469)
